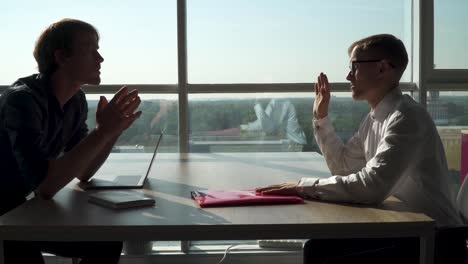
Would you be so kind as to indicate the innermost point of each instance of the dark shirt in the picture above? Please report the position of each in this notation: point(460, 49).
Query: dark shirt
point(34, 129)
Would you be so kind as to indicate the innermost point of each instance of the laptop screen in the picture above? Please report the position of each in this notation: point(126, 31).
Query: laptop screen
point(126, 164)
point(142, 180)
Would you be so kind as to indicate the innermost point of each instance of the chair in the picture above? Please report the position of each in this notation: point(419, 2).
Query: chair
point(450, 242)
point(462, 201)
point(362, 251)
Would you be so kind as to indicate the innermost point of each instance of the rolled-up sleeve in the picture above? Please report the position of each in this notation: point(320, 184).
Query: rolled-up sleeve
point(342, 159)
point(23, 124)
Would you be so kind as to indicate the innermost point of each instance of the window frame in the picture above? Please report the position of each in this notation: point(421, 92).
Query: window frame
point(183, 88)
point(430, 78)
point(424, 76)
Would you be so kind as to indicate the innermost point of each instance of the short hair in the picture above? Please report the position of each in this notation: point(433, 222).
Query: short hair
point(387, 46)
point(58, 36)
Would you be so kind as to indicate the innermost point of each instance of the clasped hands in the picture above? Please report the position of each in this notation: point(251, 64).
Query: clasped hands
point(118, 114)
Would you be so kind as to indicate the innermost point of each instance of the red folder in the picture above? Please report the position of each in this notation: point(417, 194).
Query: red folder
point(464, 155)
point(211, 198)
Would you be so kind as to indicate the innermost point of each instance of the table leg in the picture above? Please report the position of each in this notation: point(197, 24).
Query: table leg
point(137, 247)
point(2, 260)
point(185, 246)
point(426, 249)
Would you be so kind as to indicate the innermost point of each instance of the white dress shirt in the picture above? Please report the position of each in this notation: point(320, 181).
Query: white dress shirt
point(278, 117)
point(396, 152)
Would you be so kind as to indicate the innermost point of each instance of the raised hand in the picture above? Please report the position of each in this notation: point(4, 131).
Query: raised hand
point(322, 97)
point(117, 115)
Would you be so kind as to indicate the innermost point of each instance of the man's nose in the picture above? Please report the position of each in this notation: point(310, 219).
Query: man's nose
point(100, 58)
point(350, 76)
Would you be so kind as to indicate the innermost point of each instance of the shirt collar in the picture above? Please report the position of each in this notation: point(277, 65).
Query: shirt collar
point(386, 105)
point(44, 83)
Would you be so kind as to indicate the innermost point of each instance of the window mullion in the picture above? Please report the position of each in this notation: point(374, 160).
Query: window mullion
point(182, 73)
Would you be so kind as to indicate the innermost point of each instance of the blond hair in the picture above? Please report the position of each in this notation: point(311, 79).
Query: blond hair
point(58, 36)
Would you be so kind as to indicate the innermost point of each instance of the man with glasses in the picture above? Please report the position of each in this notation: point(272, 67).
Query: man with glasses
point(396, 151)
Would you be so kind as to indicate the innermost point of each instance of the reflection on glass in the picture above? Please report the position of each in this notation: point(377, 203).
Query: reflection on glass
point(159, 115)
point(265, 122)
point(278, 117)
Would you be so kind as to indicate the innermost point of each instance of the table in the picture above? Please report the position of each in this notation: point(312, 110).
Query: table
point(177, 217)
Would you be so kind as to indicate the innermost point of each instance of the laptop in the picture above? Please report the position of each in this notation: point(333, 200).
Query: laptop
point(122, 181)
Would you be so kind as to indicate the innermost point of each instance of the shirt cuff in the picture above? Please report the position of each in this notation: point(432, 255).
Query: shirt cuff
point(323, 126)
point(306, 188)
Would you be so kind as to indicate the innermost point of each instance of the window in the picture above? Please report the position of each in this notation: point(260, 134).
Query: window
point(261, 43)
point(450, 114)
point(266, 41)
point(266, 122)
point(450, 35)
point(245, 123)
point(448, 79)
point(138, 38)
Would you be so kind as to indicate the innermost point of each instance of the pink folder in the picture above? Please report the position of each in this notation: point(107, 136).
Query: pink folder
point(464, 155)
point(212, 198)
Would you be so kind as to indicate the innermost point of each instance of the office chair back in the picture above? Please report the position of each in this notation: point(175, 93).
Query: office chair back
point(450, 242)
point(462, 201)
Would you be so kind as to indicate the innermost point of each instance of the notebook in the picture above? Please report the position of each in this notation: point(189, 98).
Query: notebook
point(120, 199)
point(122, 181)
point(212, 198)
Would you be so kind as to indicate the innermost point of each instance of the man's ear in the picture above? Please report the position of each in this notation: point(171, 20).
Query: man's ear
point(383, 68)
point(386, 66)
point(60, 57)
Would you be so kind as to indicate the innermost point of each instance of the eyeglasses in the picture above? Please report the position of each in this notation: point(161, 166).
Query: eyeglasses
point(353, 64)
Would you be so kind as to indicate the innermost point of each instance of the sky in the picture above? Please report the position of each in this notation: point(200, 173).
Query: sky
point(235, 41)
